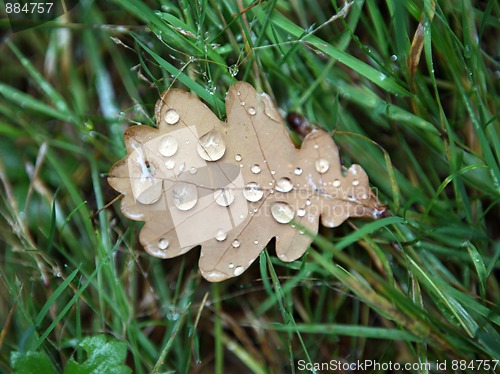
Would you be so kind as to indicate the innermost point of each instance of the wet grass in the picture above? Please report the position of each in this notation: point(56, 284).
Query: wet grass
point(410, 91)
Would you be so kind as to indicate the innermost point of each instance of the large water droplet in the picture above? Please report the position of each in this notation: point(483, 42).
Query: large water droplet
point(255, 169)
point(163, 244)
point(168, 146)
point(151, 195)
point(282, 212)
point(236, 243)
point(220, 235)
point(284, 185)
point(322, 165)
point(298, 171)
point(253, 192)
point(211, 146)
point(251, 111)
point(224, 196)
point(172, 117)
point(185, 195)
point(215, 276)
point(238, 270)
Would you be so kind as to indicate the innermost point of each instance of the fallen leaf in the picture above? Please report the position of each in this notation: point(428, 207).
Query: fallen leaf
point(233, 186)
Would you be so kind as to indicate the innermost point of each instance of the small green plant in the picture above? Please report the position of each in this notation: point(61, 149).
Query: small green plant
point(103, 356)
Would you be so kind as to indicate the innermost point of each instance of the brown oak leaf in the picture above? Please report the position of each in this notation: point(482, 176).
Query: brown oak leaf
point(233, 186)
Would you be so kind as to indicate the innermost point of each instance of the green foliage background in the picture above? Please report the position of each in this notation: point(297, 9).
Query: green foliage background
point(418, 285)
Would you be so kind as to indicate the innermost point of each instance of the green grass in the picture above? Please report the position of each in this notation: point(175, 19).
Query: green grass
point(419, 285)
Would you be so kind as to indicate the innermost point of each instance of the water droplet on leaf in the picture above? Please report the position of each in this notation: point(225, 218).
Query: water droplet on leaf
point(253, 192)
point(252, 111)
point(322, 165)
point(172, 117)
point(238, 270)
point(163, 244)
point(151, 195)
point(284, 185)
point(298, 171)
point(211, 146)
point(235, 243)
point(220, 235)
point(168, 146)
point(282, 212)
point(170, 164)
point(255, 169)
point(185, 195)
point(224, 196)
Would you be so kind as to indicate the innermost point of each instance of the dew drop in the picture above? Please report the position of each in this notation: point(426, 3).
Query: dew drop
point(185, 195)
point(168, 146)
point(216, 276)
point(224, 196)
point(242, 103)
point(235, 243)
point(255, 169)
point(251, 111)
point(170, 164)
point(308, 202)
point(233, 70)
point(238, 270)
point(220, 235)
point(282, 212)
point(301, 212)
point(238, 157)
point(231, 265)
point(163, 244)
point(298, 171)
point(284, 185)
point(211, 146)
point(322, 165)
point(193, 170)
point(151, 195)
point(355, 182)
point(255, 242)
point(336, 183)
point(181, 169)
point(172, 117)
point(253, 192)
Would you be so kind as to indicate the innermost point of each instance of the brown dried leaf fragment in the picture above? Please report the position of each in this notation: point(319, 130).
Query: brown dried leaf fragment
point(233, 186)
